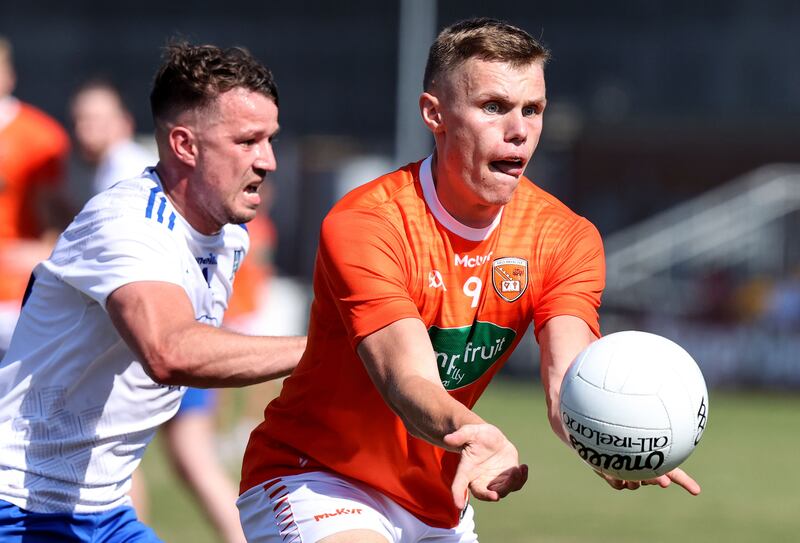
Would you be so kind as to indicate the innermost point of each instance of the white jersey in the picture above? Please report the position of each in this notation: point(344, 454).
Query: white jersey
point(76, 407)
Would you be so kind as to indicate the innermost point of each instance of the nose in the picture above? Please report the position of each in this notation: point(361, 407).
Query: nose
point(516, 127)
point(265, 158)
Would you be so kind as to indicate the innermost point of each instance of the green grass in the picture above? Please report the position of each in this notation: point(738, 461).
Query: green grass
point(746, 463)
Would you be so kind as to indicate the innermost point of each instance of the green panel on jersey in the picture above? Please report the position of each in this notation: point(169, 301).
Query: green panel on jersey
point(464, 354)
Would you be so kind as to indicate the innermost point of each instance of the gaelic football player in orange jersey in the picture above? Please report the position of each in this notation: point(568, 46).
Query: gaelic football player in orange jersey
point(425, 281)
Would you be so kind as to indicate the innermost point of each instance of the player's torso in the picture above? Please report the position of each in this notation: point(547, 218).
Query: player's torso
point(209, 263)
point(85, 381)
point(472, 297)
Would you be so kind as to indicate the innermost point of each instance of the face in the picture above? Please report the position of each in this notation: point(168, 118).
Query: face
point(100, 122)
point(490, 120)
point(7, 78)
point(234, 154)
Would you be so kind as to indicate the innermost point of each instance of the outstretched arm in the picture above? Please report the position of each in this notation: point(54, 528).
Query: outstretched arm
point(156, 320)
point(400, 361)
point(561, 339)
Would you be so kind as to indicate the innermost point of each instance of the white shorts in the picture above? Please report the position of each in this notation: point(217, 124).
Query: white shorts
point(309, 506)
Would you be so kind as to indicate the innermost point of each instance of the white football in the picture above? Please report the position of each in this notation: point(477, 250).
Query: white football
point(634, 405)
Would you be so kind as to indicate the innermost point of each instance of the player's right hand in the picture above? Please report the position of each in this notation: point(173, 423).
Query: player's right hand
point(489, 464)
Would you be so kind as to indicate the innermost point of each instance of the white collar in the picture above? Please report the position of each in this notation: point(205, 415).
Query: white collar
point(443, 216)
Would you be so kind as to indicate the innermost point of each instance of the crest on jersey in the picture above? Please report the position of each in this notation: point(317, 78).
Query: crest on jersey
point(238, 255)
point(510, 277)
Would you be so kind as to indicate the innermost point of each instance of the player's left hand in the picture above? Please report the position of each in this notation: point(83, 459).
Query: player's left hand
point(489, 464)
point(677, 476)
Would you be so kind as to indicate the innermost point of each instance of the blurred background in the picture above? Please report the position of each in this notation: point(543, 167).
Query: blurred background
point(674, 126)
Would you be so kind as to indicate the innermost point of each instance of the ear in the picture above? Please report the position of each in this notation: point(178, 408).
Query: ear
point(182, 143)
point(431, 112)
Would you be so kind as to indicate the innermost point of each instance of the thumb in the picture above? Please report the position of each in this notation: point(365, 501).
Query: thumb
point(455, 441)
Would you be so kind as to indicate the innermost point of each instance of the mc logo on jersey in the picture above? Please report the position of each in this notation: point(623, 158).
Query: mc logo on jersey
point(510, 277)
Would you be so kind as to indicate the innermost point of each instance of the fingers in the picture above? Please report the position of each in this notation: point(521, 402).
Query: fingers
point(459, 489)
point(677, 476)
point(680, 477)
point(489, 465)
point(509, 481)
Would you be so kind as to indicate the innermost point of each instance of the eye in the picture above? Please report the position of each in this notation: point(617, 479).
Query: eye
point(491, 107)
point(529, 111)
point(248, 142)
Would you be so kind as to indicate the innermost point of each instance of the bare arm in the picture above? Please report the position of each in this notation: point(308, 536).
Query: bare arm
point(156, 320)
point(562, 338)
point(560, 341)
point(400, 361)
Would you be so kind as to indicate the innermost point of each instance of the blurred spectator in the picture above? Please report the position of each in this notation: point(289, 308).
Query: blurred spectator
point(783, 304)
point(104, 131)
point(33, 151)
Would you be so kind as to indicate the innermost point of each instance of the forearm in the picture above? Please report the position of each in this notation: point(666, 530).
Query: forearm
point(561, 340)
point(157, 322)
point(203, 356)
point(427, 410)
point(402, 364)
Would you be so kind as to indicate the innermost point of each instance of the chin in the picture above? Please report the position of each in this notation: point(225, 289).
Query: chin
point(503, 195)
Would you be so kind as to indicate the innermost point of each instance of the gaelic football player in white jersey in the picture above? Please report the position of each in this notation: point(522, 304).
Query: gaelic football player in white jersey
point(126, 310)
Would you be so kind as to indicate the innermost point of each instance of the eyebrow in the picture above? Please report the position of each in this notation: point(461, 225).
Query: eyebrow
point(503, 97)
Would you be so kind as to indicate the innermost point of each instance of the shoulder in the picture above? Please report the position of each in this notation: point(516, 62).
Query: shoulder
point(136, 207)
point(40, 126)
point(535, 207)
point(385, 199)
point(390, 188)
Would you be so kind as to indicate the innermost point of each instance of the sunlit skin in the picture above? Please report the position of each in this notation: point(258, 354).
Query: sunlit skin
point(486, 118)
point(7, 75)
point(225, 152)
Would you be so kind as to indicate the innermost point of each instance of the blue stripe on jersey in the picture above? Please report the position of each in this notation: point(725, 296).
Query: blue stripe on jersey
point(244, 227)
point(161, 209)
point(148, 213)
point(171, 224)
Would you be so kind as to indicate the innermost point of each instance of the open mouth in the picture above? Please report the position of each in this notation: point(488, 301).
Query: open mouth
point(252, 188)
point(513, 166)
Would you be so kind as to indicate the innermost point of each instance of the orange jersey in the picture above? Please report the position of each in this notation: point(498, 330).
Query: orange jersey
point(33, 151)
point(255, 270)
point(389, 251)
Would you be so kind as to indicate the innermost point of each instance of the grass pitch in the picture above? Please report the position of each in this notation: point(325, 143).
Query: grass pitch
point(746, 464)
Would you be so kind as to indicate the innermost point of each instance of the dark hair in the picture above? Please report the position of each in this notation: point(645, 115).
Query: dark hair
point(483, 38)
point(192, 76)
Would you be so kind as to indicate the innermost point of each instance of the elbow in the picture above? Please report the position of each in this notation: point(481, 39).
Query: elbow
point(163, 365)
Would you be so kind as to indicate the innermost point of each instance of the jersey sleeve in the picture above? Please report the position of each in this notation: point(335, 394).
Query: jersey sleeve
point(121, 251)
point(362, 257)
point(574, 278)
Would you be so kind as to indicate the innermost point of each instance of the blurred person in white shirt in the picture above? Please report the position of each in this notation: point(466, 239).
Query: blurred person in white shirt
point(104, 135)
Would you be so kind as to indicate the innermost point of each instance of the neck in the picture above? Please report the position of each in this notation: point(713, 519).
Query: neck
point(474, 215)
point(176, 187)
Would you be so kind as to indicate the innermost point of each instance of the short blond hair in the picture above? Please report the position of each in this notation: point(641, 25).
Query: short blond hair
point(482, 38)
